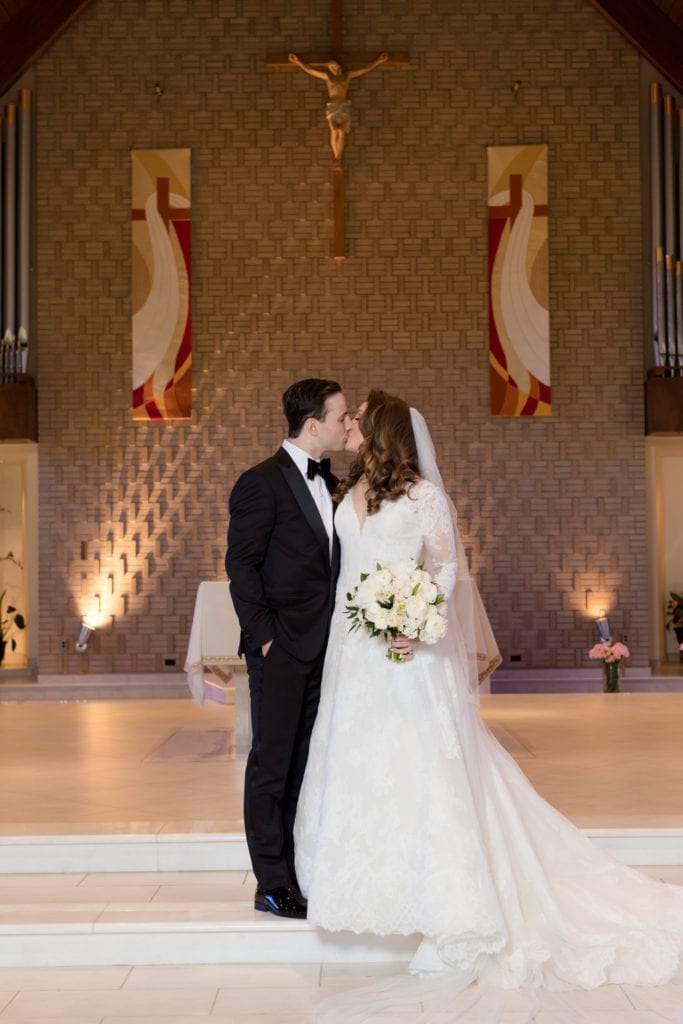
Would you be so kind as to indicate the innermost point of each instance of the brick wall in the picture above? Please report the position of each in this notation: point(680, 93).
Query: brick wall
point(136, 513)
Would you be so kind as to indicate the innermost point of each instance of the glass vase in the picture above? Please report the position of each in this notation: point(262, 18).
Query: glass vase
point(611, 671)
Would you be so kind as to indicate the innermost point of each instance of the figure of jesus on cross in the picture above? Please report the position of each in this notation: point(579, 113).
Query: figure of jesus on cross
point(338, 110)
point(337, 68)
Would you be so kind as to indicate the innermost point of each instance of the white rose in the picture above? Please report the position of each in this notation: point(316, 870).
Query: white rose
point(411, 629)
point(381, 586)
point(394, 618)
point(434, 629)
point(399, 568)
point(382, 578)
point(364, 595)
point(373, 610)
point(381, 618)
point(373, 589)
point(416, 606)
point(429, 592)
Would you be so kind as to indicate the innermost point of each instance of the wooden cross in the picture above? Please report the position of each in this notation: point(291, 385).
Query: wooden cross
point(349, 62)
point(515, 204)
point(164, 208)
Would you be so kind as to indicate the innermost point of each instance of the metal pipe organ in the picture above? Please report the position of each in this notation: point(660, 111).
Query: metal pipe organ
point(666, 202)
point(15, 234)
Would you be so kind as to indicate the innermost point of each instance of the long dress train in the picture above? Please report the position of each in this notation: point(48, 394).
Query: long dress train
point(413, 819)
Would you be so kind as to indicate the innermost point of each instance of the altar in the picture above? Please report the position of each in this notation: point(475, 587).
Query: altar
point(214, 641)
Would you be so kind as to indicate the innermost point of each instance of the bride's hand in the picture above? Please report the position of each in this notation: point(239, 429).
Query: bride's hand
point(403, 645)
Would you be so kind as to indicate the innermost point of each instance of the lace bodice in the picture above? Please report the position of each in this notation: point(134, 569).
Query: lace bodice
point(418, 525)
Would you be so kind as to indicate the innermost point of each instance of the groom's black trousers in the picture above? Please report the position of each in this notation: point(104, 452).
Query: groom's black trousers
point(284, 697)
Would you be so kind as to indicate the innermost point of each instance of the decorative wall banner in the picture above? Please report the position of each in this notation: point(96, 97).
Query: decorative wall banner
point(519, 332)
point(162, 339)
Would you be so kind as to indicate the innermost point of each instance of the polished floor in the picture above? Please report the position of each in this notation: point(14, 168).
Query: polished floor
point(168, 766)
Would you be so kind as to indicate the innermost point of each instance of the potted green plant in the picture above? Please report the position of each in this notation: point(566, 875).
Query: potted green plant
point(10, 621)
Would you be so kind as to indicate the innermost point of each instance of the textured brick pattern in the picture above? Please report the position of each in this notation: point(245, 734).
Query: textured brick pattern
point(550, 508)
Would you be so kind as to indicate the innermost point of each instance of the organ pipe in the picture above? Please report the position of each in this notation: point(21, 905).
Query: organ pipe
point(666, 214)
point(16, 211)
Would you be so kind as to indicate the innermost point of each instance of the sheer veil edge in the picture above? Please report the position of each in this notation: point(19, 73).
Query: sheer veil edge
point(480, 644)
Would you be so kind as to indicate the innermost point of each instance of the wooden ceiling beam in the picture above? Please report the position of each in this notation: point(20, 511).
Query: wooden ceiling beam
point(656, 36)
point(29, 33)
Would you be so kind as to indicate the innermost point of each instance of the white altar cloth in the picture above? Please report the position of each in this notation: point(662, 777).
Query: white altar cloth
point(214, 639)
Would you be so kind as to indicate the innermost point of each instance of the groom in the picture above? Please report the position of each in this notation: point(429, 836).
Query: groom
point(282, 561)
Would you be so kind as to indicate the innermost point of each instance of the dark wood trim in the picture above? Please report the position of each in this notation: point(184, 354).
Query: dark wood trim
point(656, 36)
point(18, 409)
point(29, 33)
point(664, 405)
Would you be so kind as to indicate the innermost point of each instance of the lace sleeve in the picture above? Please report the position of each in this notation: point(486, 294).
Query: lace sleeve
point(436, 516)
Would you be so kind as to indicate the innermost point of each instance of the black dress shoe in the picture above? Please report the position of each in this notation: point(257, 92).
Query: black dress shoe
point(294, 886)
point(284, 901)
point(297, 890)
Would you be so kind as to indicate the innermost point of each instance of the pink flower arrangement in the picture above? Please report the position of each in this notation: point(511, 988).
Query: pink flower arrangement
point(609, 652)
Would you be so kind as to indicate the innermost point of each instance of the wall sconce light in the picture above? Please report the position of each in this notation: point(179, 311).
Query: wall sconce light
point(603, 628)
point(84, 635)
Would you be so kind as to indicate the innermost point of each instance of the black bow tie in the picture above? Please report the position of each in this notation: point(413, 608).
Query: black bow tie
point(322, 467)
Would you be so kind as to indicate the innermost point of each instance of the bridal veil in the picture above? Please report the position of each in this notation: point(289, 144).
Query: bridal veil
point(480, 647)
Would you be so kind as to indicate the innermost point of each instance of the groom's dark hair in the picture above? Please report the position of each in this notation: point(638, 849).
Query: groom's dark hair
point(306, 400)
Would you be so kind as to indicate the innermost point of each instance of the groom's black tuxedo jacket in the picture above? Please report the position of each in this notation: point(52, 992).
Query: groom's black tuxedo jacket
point(282, 579)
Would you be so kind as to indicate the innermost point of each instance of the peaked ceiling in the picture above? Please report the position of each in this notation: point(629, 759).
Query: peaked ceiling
point(27, 27)
point(655, 27)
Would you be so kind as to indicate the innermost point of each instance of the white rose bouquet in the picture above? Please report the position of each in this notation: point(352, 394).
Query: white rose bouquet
point(398, 598)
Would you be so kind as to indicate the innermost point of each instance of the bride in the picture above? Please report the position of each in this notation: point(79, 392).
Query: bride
point(412, 818)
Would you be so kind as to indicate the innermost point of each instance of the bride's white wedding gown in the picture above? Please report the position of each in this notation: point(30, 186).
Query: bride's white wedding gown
point(413, 819)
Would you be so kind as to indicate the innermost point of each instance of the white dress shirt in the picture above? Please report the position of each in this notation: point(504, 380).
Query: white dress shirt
point(317, 486)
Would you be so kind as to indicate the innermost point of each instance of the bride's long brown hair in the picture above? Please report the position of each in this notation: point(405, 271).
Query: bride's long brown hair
point(388, 455)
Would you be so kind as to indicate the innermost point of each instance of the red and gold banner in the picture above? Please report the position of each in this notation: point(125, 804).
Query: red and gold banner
point(519, 329)
point(162, 338)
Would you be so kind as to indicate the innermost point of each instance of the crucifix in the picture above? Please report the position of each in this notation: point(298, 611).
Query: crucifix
point(337, 71)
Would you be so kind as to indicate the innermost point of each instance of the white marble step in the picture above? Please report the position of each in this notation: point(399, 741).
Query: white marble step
point(220, 933)
point(160, 918)
point(215, 851)
point(127, 851)
point(108, 919)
